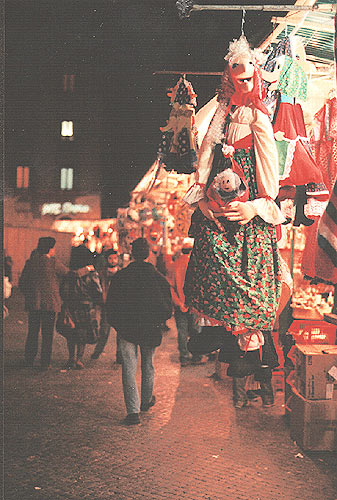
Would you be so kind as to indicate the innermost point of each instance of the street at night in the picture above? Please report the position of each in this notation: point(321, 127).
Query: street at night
point(170, 250)
point(64, 439)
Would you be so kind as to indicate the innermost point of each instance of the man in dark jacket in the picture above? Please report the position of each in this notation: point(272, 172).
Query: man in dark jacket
point(40, 285)
point(138, 304)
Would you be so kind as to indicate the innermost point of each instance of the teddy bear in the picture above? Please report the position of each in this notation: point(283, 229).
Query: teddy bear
point(227, 186)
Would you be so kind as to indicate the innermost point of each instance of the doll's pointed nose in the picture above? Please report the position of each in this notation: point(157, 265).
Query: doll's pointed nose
point(243, 69)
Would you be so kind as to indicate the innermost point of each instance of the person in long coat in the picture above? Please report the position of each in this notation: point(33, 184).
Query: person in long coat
point(39, 283)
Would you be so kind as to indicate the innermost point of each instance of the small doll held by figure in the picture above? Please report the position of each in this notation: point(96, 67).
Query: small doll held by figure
point(226, 187)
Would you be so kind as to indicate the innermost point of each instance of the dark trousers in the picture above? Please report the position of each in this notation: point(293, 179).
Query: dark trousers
point(239, 390)
point(44, 320)
point(104, 333)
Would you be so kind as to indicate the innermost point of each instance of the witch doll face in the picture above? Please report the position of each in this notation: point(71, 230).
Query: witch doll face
point(242, 72)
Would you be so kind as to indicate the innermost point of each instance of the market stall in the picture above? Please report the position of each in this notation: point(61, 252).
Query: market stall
point(100, 234)
point(300, 80)
point(308, 321)
point(156, 210)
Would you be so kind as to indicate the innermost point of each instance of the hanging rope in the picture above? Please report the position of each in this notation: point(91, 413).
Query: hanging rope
point(243, 21)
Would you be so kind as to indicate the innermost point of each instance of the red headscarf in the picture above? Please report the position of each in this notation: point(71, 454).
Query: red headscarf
point(231, 91)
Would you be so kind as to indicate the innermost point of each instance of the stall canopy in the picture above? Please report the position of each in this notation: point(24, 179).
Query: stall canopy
point(316, 28)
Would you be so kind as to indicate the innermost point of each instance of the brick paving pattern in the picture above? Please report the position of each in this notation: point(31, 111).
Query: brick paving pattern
point(64, 439)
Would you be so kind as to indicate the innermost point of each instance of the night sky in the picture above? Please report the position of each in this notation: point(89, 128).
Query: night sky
point(120, 44)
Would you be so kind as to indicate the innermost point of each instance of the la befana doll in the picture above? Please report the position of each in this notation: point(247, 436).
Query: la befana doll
point(233, 279)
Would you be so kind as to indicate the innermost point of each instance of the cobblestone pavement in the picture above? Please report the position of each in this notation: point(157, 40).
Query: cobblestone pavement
point(64, 438)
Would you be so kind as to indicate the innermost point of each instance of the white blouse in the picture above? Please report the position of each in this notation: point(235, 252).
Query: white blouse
point(245, 120)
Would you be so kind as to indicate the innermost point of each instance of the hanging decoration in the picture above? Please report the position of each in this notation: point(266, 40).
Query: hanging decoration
point(286, 82)
point(324, 140)
point(178, 146)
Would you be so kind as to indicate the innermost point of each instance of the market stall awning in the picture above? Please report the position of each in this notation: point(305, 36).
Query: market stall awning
point(316, 28)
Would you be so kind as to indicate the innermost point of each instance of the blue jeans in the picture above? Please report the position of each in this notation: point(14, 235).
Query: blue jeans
point(186, 327)
point(129, 354)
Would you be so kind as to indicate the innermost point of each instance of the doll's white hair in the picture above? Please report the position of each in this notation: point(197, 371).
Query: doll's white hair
point(240, 47)
point(218, 180)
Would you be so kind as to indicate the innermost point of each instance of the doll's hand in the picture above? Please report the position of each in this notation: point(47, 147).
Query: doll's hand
point(238, 211)
point(209, 214)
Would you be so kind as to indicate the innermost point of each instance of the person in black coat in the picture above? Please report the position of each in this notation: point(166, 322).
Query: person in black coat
point(82, 296)
point(138, 304)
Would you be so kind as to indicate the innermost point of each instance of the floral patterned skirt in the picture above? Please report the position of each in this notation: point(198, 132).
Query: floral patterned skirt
point(233, 277)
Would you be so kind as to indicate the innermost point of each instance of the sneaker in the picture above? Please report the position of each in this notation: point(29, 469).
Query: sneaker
point(240, 404)
point(132, 419)
point(147, 406)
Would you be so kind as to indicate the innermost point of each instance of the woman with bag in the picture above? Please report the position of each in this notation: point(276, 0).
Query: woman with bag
point(81, 293)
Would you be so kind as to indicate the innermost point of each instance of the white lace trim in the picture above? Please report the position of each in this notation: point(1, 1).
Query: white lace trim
point(215, 133)
point(194, 194)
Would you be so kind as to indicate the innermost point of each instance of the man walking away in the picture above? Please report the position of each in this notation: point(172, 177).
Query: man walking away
point(40, 287)
point(138, 304)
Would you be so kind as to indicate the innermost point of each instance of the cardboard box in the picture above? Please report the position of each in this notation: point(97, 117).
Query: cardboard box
point(312, 363)
point(313, 424)
point(306, 331)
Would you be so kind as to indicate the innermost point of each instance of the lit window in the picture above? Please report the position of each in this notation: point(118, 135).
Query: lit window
point(68, 83)
point(22, 177)
point(67, 129)
point(67, 176)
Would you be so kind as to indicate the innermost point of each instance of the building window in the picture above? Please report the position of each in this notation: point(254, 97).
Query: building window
point(67, 177)
point(68, 83)
point(67, 129)
point(22, 177)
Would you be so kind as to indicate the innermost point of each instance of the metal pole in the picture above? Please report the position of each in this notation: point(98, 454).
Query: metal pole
point(269, 8)
point(203, 73)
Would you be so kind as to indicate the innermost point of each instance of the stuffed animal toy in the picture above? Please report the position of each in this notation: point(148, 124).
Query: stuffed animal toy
point(227, 186)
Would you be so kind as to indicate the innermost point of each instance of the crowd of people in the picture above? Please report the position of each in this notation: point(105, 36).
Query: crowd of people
point(95, 294)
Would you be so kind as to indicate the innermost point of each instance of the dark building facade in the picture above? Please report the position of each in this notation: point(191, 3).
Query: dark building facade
point(54, 147)
point(54, 106)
